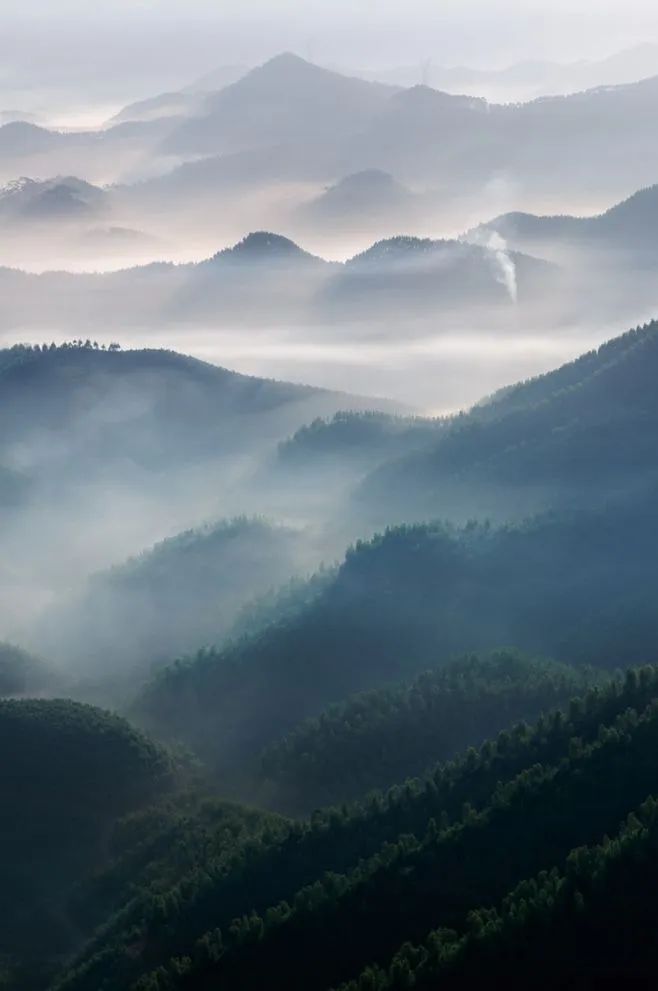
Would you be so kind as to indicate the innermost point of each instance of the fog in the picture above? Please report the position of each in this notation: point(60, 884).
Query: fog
point(328, 357)
point(364, 216)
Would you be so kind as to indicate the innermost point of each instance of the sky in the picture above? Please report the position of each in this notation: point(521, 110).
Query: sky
point(134, 45)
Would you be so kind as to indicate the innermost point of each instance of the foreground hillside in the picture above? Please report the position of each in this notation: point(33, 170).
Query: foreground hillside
point(374, 739)
point(416, 861)
point(69, 772)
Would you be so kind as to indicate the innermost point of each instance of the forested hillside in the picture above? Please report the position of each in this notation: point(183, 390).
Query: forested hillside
point(182, 593)
point(578, 435)
point(575, 587)
point(154, 407)
point(68, 772)
point(378, 738)
point(328, 612)
point(548, 931)
point(355, 441)
point(419, 858)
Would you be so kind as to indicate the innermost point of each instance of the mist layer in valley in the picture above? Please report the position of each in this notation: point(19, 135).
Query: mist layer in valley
point(328, 516)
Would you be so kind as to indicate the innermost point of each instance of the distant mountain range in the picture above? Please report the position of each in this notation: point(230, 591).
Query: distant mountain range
point(61, 199)
point(291, 119)
point(530, 79)
point(361, 200)
point(285, 100)
point(189, 101)
point(628, 227)
point(268, 279)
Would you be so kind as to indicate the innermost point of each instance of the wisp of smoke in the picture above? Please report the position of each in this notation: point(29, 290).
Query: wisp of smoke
point(506, 269)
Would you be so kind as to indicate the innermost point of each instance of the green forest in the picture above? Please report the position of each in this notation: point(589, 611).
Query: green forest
point(338, 755)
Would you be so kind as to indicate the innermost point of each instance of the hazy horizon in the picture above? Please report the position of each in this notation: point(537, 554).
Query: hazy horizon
point(48, 53)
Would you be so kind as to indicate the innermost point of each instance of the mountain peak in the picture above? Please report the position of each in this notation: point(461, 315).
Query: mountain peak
point(287, 60)
point(262, 246)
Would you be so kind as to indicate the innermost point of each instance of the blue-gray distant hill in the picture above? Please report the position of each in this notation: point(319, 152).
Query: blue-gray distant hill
point(285, 100)
point(628, 228)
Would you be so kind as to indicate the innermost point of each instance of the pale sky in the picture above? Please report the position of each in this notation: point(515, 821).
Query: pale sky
point(149, 44)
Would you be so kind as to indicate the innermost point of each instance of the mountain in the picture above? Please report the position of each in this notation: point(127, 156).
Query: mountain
point(265, 277)
point(391, 734)
point(186, 590)
point(408, 868)
point(23, 138)
point(364, 198)
point(60, 199)
point(127, 150)
point(112, 451)
point(295, 122)
point(187, 102)
point(353, 441)
point(574, 436)
point(153, 407)
point(74, 771)
point(419, 132)
point(570, 584)
point(265, 248)
point(17, 116)
point(573, 904)
point(164, 105)
point(626, 227)
point(216, 79)
point(286, 99)
point(401, 273)
point(268, 280)
point(529, 79)
point(439, 134)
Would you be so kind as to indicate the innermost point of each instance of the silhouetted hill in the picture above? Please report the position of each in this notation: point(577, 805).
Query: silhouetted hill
point(23, 138)
point(530, 78)
point(268, 280)
point(412, 865)
point(378, 738)
point(409, 274)
point(176, 104)
point(216, 79)
point(626, 227)
point(354, 441)
point(286, 99)
point(185, 591)
point(74, 769)
point(153, 408)
point(62, 198)
point(575, 587)
point(361, 198)
point(582, 433)
point(263, 247)
point(289, 120)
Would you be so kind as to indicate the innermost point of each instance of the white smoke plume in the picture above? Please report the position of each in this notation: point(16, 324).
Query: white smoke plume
point(505, 264)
